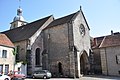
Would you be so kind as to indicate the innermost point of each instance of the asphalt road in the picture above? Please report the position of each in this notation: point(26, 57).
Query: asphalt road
point(83, 78)
point(54, 79)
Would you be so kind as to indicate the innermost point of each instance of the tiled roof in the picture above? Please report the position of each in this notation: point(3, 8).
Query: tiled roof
point(97, 41)
point(107, 41)
point(111, 40)
point(62, 20)
point(5, 41)
point(26, 31)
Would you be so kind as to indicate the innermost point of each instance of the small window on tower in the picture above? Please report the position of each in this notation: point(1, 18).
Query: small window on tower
point(14, 25)
point(22, 24)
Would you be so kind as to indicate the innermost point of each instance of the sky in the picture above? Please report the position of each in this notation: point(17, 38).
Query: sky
point(102, 15)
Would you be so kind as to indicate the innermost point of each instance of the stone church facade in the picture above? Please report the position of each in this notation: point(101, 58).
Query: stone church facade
point(61, 45)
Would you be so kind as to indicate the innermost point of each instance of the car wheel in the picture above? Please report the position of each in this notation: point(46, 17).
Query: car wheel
point(33, 76)
point(44, 77)
point(6, 79)
point(23, 79)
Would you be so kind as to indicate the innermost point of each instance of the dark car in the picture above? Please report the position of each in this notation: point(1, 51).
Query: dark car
point(42, 74)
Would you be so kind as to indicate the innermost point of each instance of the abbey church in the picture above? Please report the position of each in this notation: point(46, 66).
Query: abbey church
point(61, 45)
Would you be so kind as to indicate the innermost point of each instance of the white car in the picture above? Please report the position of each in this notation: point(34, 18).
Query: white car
point(4, 77)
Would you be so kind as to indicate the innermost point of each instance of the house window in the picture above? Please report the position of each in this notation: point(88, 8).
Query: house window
point(6, 69)
point(1, 69)
point(4, 54)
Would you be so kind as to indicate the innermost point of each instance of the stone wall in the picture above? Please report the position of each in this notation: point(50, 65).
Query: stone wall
point(112, 67)
point(22, 49)
point(97, 61)
point(56, 44)
point(37, 44)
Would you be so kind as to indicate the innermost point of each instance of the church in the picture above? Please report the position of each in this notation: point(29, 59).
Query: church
point(61, 45)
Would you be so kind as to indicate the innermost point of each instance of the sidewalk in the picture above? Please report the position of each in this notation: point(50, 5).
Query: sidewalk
point(88, 77)
point(99, 77)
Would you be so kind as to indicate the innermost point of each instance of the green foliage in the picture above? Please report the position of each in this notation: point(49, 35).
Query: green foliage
point(24, 62)
point(14, 51)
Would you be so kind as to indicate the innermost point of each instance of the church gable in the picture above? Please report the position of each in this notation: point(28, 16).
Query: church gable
point(81, 32)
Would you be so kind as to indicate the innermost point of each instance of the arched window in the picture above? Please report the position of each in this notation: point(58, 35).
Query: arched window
point(37, 57)
point(60, 68)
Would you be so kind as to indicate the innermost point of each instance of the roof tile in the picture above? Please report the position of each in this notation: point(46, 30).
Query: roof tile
point(4, 40)
point(111, 40)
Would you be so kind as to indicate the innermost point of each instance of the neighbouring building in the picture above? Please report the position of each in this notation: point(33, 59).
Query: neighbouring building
point(6, 54)
point(106, 50)
point(61, 45)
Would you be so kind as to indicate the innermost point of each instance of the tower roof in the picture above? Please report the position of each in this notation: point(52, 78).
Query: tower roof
point(19, 15)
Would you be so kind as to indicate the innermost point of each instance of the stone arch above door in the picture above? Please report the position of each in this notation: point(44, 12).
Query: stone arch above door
point(84, 63)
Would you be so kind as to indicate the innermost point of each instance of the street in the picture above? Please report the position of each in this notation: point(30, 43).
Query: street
point(84, 78)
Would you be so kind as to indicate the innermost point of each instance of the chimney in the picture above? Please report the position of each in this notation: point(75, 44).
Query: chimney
point(112, 32)
point(95, 41)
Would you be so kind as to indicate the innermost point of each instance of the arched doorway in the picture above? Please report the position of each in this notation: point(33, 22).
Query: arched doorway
point(37, 57)
point(84, 63)
point(60, 68)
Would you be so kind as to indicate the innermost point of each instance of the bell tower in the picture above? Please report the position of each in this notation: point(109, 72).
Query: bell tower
point(18, 20)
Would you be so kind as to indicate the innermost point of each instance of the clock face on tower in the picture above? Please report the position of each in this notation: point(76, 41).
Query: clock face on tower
point(82, 29)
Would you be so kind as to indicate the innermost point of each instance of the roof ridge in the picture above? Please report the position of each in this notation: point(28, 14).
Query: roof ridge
point(66, 16)
point(39, 19)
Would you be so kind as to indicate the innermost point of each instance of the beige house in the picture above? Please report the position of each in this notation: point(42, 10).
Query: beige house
point(6, 54)
point(106, 51)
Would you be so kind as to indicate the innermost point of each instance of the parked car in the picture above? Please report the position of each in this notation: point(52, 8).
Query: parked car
point(42, 74)
point(4, 77)
point(17, 75)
